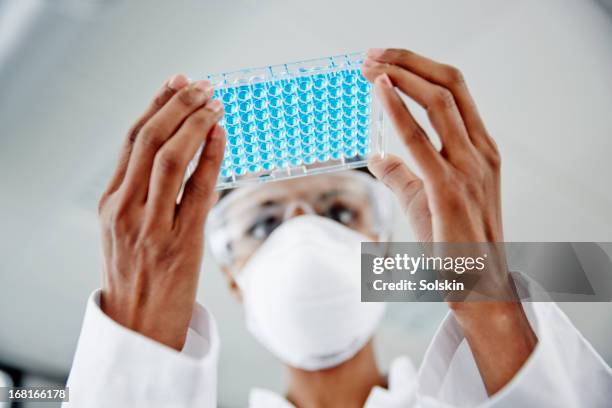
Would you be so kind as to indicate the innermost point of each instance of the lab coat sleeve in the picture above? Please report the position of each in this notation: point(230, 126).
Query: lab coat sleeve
point(117, 367)
point(563, 371)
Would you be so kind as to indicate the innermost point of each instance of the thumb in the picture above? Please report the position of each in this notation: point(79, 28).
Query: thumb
point(395, 174)
point(409, 190)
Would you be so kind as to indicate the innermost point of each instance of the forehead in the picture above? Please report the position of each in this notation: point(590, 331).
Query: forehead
point(311, 186)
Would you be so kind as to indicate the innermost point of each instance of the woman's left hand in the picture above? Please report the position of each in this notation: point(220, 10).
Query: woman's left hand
point(457, 199)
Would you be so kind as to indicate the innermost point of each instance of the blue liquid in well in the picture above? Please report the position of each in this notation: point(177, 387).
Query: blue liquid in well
point(296, 121)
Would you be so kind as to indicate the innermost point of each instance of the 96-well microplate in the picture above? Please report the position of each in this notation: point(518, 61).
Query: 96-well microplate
point(297, 119)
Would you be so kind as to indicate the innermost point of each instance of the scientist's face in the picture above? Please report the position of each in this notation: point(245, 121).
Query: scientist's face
point(243, 220)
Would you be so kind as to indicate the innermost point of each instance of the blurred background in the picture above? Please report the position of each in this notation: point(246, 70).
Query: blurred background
point(74, 75)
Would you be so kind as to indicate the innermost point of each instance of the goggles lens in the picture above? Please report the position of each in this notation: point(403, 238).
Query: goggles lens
point(245, 218)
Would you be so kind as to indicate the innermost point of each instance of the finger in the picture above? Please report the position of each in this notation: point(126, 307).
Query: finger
point(199, 195)
point(437, 101)
point(413, 136)
point(156, 132)
point(172, 159)
point(168, 90)
point(444, 75)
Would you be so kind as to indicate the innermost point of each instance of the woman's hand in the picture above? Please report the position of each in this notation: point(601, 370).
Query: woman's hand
point(153, 243)
point(458, 197)
point(462, 180)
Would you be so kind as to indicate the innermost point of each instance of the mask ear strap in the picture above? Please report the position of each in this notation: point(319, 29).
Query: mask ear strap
point(383, 244)
point(384, 236)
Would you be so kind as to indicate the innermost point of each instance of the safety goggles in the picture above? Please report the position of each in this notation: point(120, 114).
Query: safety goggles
point(246, 217)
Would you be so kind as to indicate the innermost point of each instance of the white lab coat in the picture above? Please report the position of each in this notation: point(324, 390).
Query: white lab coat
point(116, 367)
point(5, 381)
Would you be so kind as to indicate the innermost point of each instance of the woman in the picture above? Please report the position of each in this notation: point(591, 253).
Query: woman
point(146, 342)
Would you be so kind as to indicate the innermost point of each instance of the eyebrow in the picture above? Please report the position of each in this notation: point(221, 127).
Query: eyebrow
point(330, 194)
point(264, 204)
point(252, 203)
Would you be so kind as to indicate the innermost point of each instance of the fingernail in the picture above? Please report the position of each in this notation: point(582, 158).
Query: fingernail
point(385, 80)
point(177, 82)
point(215, 105)
point(375, 52)
point(203, 86)
point(217, 133)
point(368, 62)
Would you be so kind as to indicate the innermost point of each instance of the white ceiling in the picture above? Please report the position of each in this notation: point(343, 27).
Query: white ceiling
point(540, 72)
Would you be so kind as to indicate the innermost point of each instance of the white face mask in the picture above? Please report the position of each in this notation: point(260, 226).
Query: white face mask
point(302, 294)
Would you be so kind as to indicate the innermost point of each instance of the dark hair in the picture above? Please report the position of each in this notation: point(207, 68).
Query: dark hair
point(225, 192)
